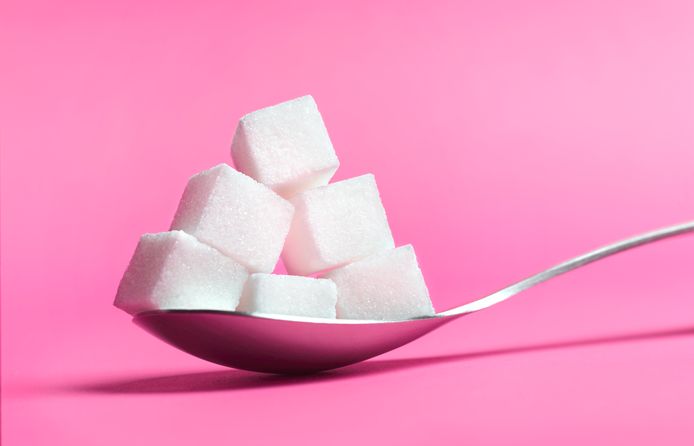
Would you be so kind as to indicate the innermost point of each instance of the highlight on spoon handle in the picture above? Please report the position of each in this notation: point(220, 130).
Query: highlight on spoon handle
point(569, 265)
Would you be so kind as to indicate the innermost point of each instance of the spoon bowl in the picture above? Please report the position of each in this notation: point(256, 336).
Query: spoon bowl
point(292, 344)
point(281, 344)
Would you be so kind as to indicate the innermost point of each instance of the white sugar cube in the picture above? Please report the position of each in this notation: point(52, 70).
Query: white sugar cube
point(336, 224)
point(385, 286)
point(285, 147)
point(173, 270)
point(232, 212)
point(292, 295)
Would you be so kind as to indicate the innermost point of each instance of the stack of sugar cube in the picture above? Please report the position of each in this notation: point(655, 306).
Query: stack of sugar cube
point(232, 227)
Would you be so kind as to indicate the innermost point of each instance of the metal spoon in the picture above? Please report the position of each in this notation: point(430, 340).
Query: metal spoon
point(292, 344)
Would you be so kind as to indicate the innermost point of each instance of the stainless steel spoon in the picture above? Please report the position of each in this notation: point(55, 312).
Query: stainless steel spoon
point(291, 344)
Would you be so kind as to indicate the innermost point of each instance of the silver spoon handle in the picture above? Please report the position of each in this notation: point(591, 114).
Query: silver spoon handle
point(569, 265)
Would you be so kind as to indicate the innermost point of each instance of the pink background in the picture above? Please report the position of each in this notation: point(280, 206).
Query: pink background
point(505, 137)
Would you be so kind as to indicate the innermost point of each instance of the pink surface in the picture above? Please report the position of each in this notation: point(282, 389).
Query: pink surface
point(505, 136)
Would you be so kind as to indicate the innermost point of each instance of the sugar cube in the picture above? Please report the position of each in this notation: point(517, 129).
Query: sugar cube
point(173, 270)
point(292, 295)
point(285, 147)
point(232, 212)
point(336, 224)
point(386, 286)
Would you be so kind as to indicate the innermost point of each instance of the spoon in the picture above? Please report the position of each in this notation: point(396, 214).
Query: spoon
point(293, 344)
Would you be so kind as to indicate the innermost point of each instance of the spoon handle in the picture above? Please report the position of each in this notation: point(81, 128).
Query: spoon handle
point(569, 265)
